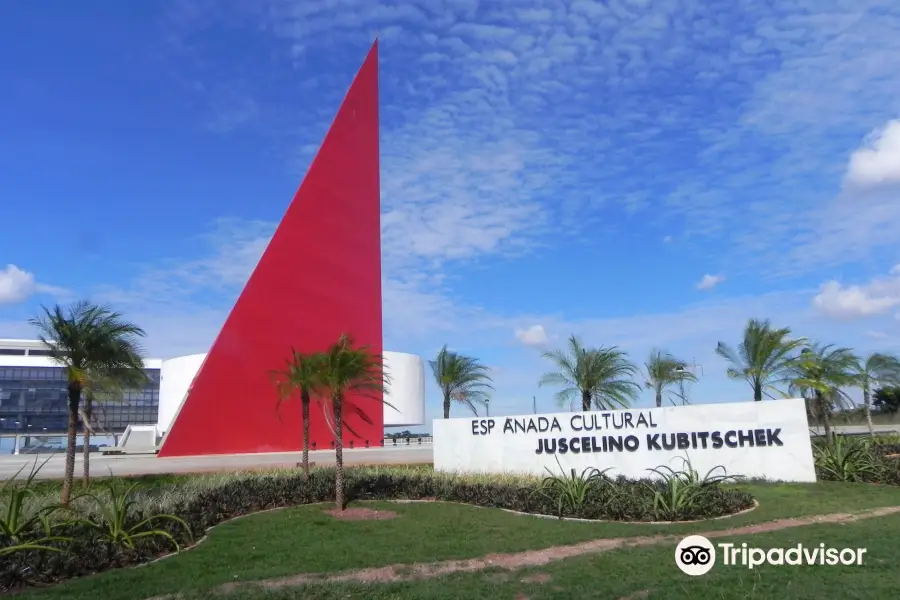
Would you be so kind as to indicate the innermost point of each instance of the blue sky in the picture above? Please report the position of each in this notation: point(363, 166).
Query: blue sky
point(639, 173)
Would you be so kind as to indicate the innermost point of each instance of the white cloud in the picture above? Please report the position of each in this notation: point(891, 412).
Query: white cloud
point(775, 163)
point(878, 161)
point(17, 285)
point(877, 335)
point(485, 119)
point(877, 297)
point(812, 77)
point(532, 336)
point(708, 282)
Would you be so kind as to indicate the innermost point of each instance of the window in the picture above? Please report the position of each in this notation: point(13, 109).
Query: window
point(38, 396)
point(12, 352)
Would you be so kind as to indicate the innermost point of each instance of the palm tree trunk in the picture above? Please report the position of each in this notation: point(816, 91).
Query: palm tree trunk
point(446, 405)
point(824, 415)
point(585, 400)
point(658, 398)
point(74, 389)
point(304, 401)
point(339, 498)
point(867, 402)
point(757, 392)
point(86, 450)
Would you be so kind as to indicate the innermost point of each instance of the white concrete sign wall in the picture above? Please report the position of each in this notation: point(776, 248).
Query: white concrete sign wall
point(767, 439)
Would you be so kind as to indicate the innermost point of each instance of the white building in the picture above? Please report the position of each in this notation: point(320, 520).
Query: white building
point(33, 391)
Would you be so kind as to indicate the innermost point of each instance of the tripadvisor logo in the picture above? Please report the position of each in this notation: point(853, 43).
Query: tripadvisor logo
point(696, 555)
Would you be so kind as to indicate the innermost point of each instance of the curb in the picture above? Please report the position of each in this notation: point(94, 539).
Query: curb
point(578, 520)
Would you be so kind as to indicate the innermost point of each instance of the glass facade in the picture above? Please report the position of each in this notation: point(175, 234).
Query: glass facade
point(33, 399)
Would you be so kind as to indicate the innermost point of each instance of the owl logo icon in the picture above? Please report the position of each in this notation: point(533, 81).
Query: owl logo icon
point(695, 555)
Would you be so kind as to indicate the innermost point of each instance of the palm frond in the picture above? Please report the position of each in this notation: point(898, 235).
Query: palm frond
point(463, 379)
point(604, 374)
point(763, 357)
point(664, 371)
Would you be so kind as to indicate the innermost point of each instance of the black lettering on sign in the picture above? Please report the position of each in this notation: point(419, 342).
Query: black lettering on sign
point(482, 426)
point(677, 441)
point(759, 437)
point(729, 439)
point(531, 425)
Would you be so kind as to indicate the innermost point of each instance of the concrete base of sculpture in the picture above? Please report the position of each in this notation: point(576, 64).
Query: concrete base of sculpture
point(137, 439)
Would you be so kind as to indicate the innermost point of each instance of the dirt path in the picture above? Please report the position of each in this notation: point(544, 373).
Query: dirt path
point(534, 558)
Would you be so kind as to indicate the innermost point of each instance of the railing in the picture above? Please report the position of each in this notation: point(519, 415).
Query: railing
point(43, 443)
point(382, 443)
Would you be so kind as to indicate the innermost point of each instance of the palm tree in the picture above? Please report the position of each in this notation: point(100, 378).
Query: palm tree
point(461, 378)
point(762, 358)
point(664, 370)
point(601, 376)
point(301, 373)
point(876, 371)
point(86, 338)
point(818, 375)
point(344, 370)
point(102, 387)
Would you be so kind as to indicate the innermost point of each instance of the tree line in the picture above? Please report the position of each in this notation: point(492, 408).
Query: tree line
point(101, 354)
point(769, 359)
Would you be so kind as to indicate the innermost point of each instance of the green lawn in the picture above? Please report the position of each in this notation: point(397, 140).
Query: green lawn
point(651, 574)
point(305, 540)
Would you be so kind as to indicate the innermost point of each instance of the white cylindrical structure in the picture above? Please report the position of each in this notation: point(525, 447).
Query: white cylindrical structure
point(175, 378)
point(406, 392)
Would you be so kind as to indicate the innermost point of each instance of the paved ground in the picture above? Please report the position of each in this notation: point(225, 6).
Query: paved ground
point(148, 464)
point(860, 429)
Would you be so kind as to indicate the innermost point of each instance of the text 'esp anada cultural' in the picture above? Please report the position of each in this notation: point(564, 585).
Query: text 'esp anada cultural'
point(582, 441)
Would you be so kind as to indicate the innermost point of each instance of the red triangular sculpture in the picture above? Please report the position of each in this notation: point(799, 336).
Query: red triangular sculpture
point(319, 277)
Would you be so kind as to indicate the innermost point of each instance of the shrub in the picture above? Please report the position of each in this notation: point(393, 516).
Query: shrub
point(25, 524)
point(848, 459)
point(117, 525)
point(881, 448)
point(858, 459)
point(131, 525)
point(569, 493)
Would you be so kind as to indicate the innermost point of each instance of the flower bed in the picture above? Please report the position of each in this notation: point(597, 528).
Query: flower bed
point(91, 544)
point(858, 459)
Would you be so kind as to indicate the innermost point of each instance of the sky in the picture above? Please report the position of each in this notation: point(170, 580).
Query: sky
point(640, 174)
